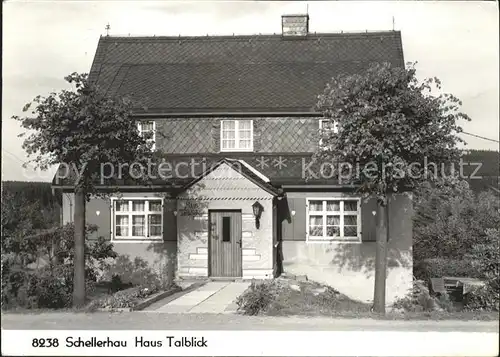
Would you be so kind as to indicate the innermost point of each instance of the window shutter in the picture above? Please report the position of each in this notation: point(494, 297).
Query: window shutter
point(163, 218)
point(112, 219)
point(299, 219)
point(257, 129)
point(368, 220)
point(216, 135)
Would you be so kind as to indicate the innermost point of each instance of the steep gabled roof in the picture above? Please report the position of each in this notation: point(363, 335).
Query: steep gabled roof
point(268, 73)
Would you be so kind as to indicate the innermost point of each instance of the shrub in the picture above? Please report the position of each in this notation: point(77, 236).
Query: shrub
point(487, 259)
point(121, 299)
point(450, 219)
point(116, 284)
point(127, 298)
point(256, 298)
point(418, 299)
point(25, 211)
point(483, 298)
point(439, 267)
point(135, 272)
point(51, 285)
point(13, 281)
point(446, 302)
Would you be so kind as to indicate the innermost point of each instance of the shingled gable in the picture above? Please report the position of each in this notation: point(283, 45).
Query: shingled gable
point(239, 166)
point(232, 74)
point(263, 170)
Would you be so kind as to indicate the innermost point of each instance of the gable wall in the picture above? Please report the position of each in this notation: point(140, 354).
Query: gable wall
point(202, 135)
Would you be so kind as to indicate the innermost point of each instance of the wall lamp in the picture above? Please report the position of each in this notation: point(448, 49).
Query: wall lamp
point(257, 209)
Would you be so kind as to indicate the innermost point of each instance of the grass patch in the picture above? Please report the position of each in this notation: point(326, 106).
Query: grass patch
point(282, 297)
point(289, 297)
point(313, 299)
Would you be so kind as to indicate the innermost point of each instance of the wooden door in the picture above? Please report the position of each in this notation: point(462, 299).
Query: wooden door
point(224, 244)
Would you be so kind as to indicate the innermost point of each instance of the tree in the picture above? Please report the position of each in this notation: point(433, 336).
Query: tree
point(20, 218)
point(487, 257)
point(27, 207)
point(82, 130)
point(450, 219)
point(388, 124)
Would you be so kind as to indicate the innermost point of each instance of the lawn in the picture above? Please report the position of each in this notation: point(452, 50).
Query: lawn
point(290, 297)
point(311, 299)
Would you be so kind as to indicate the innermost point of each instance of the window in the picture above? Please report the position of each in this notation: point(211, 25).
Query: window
point(147, 129)
point(327, 125)
point(226, 229)
point(334, 219)
point(137, 219)
point(236, 135)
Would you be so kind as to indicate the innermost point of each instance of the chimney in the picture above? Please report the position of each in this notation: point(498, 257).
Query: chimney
point(294, 25)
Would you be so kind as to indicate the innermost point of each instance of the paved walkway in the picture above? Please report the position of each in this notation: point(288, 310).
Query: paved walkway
point(213, 297)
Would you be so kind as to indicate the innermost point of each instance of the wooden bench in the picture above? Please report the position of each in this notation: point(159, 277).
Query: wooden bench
point(448, 284)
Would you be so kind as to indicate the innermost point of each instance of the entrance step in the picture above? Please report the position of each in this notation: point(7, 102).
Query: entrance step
point(224, 279)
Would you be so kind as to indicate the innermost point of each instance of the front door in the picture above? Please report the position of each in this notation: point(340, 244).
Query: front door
point(224, 244)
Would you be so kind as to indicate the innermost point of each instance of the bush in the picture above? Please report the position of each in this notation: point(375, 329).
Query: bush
point(135, 272)
point(51, 285)
point(122, 299)
point(419, 299)
point(450, 219)
point(127, 298)
point(13, 282)
point(483, 298)
point(439, 267)
point(487, 259)
point(116, 284)
point(48, 287)
point(446, 302)
point(256, 298)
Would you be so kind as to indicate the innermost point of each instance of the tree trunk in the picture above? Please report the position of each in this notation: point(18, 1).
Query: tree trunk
point(79, 257)
point(380, 259)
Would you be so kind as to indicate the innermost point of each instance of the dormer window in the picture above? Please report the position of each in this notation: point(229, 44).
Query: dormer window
point(295, 25)
point(327, 125)
point(236, 135)
point(147, 129)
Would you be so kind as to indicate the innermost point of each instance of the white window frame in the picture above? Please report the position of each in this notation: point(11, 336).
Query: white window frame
point(236, 135)
point(335, 125)
point(341, 213)
point(139, 128)
point(130, 213)
point(335, 130)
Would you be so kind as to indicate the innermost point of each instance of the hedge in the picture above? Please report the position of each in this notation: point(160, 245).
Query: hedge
point(439, 267)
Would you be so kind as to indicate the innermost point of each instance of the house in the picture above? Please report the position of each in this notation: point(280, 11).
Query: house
point(233, 117)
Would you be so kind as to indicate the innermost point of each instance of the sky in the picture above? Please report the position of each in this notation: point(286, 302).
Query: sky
point(43, 41)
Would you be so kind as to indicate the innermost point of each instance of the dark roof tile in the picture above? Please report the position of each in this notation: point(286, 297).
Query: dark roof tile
point(243, 73)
